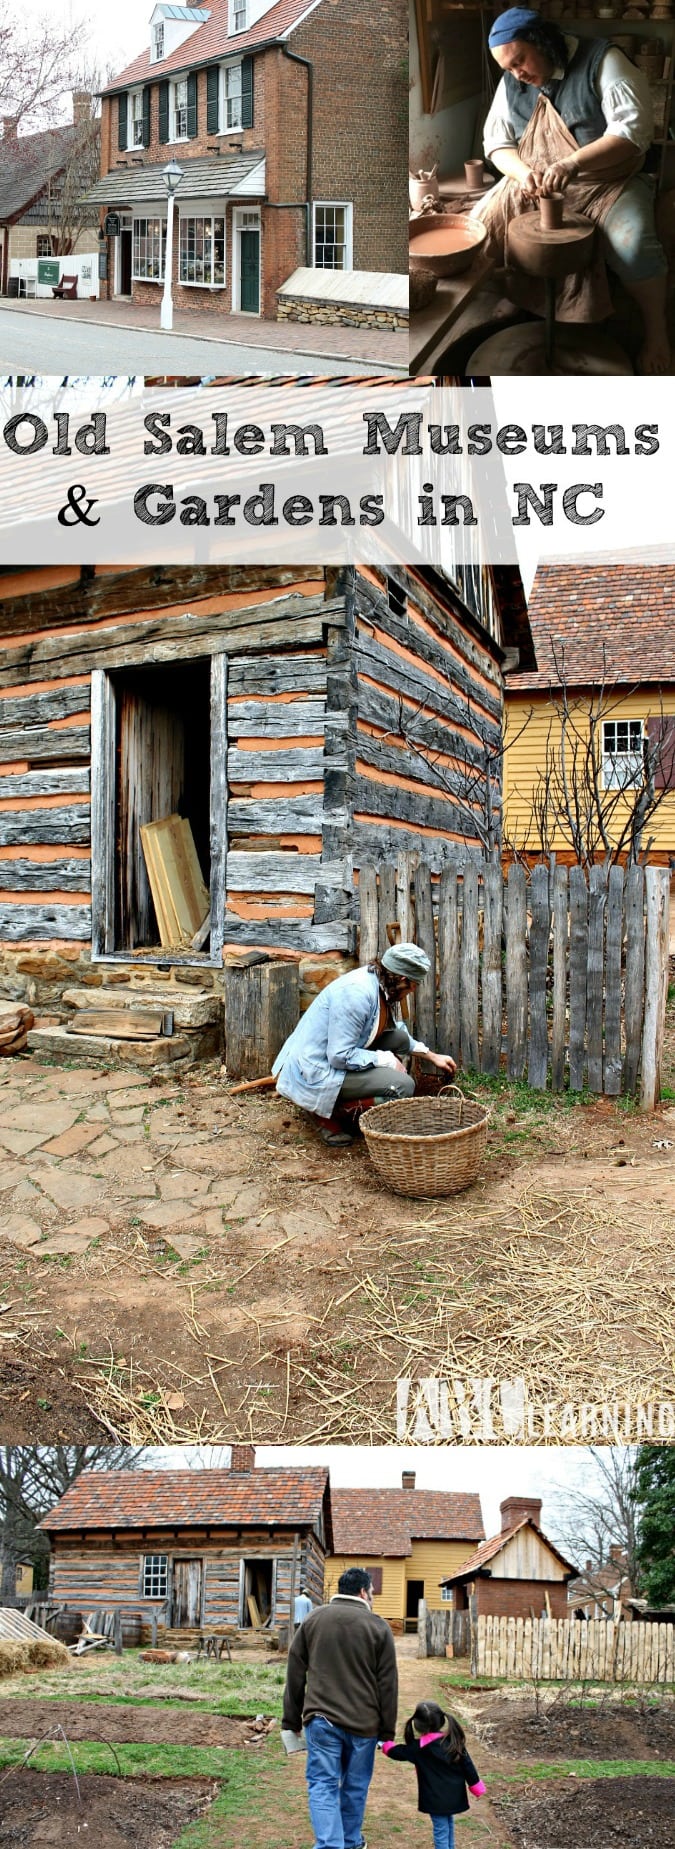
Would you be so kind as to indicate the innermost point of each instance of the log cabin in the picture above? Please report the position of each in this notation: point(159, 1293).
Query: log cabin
point(275, 709)
point(200, 1549)
point(517, 1573)
point(406, 1539)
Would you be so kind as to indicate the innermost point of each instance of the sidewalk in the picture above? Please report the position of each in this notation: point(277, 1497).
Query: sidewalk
point(348, 343)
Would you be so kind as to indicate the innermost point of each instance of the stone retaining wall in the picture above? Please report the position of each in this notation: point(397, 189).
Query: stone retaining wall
point(340, 314)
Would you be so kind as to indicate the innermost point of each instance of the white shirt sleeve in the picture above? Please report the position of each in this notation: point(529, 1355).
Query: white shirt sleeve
point(625, 99)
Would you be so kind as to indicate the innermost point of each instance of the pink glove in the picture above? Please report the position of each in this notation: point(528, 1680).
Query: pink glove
point(387, 1745)
point(479, 1790)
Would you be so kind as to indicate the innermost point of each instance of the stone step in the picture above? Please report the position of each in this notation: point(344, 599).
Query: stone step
point(191, 1007)
point(56, 1044)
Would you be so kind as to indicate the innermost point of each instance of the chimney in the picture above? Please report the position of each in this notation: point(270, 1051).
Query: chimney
point(81, 107)
point(617, 1554)
point(519, 1509)
point(10, 128)
point(242, 1458)
point(408, 1479)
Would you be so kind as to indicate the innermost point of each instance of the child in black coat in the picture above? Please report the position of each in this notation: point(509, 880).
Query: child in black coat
point(435, 1745)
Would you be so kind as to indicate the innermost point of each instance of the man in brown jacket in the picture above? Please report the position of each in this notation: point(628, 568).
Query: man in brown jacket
point(342, 1685)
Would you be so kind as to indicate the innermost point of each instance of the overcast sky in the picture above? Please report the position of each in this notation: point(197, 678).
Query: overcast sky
point(117, 30)
point(494, 1472)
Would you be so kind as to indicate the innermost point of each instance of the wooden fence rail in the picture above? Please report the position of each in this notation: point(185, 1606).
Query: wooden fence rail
point(554, 974)
point(436, 1630)
point(573, 1650)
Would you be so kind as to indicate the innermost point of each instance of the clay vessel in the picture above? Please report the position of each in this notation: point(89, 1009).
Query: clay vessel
point(550, 253)
point(473, 171)
point(444, 243)
point(423, 186)
point(551, 212)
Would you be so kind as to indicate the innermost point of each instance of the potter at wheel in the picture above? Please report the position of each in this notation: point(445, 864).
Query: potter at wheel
point(550, 244)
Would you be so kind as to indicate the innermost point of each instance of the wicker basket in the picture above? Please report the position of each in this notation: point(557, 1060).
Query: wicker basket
point(427, 1146)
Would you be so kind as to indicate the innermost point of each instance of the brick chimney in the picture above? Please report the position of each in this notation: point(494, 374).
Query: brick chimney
point(10, 128)
point(81, 107)
point(408, 1479)
point(242, 1459)
point(520, 1509)
point(618, 1555)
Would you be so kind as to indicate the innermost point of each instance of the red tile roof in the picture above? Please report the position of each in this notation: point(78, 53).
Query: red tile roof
point(627, 611)
point(488, 1549)
point(386, 1521)
point(187, 1498)
point(210, 41)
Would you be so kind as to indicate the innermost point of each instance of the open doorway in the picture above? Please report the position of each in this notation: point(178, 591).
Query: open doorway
point(414, 1591)
point(162, 767)
point(256, 1593)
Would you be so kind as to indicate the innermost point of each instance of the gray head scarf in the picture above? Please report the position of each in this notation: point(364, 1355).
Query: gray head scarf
point(406, 960)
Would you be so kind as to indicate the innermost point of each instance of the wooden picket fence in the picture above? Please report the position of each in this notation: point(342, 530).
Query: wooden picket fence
point(573, 1650)
point(552, 975)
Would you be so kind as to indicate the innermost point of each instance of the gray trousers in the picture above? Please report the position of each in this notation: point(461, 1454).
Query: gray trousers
point(380, 1081)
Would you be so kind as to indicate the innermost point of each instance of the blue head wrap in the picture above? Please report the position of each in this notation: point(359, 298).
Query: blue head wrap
point(510, 25)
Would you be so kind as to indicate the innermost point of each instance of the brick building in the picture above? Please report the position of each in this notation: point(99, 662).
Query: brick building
point(287, 122)
point(518, 1573)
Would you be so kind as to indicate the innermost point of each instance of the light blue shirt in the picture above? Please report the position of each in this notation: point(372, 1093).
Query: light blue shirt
point(302, 1608)
point(332, 1039)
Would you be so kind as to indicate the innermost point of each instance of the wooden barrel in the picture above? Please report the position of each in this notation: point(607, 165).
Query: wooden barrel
point(67, 1625)
point(132, 1630)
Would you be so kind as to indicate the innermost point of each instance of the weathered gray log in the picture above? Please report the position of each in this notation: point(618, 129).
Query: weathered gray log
point(612, 1073)
point(418, 808)
point(145, 588)
point(409, 678)
point(261, 1010)
point(578, 968)
point(516, 972)
point(405, 914)
point(559, 978)
point(255, 676)
point(657, 892)
point(219, 819)
point(403, 763)
point(435, 654)
point(38, 709)
point(460, 626)
point(103, 833)
point(537, 1052)
point(594, 973)
point(303, 764)
point(270, 872)
point(491, 971)
point(425, 993)
point(287, 719)
point(291, 813)
point(448, 959)
point(165, 639)
point(468, 970)
point(287, 933)
point(45, 875)
point(30, 827)
point(634, 898)
point(24, 922)
point(44, 745)
point(62, 782)
point(387, 904)
point(375, 839)
point(340, 732)
point(420, 728)
point(368, 913)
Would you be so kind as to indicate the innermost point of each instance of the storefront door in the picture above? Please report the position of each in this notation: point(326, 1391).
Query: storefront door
point(249, 257)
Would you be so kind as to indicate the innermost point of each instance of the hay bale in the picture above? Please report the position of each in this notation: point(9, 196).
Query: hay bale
point(13, 1656)
point(47, 1653)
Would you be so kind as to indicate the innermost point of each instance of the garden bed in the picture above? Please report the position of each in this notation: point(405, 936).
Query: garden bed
point(602, 1813)
point(39, 1808)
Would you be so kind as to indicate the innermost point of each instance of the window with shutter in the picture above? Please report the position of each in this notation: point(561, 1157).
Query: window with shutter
point(135, 122)
point(661, 749)
point(247, 93)
point(212, 100)
point(622, 754)
point(376, 1579)
point(164, 111)
point(146, 116)
point(122, 115)
point(192, 105)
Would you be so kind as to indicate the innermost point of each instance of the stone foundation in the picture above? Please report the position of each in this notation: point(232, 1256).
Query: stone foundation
point(340, 314)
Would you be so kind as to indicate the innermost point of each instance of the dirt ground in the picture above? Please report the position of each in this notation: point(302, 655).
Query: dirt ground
point(42, 1807)
point(81, 1720)
point(178, 1263)
point(607, 1813)
point(570, 1725)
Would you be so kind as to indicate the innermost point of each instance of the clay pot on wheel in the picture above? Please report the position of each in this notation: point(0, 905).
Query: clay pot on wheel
point(473, 171)
point(551, 211)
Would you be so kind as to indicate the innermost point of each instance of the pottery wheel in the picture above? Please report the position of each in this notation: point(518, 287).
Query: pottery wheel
point(522, 349)
point(550, 253)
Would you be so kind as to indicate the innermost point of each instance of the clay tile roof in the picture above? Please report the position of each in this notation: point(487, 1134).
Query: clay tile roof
point(613, 621)
point(494, 1545)
point(386, 1521)
point(28, 163)
point(104, 1499)
point(210, 41)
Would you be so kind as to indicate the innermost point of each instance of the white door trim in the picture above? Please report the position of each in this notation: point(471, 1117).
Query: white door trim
point(238, 226)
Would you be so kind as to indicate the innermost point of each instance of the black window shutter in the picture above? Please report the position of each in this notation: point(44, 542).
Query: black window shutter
point(192, 105)
point(146, 115)
point(122, 115)
point(212, 86)
point(164, 111)
point(247, 93)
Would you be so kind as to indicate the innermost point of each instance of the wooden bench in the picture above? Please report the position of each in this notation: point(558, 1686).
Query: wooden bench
point(66, 287)
point(214, 1644)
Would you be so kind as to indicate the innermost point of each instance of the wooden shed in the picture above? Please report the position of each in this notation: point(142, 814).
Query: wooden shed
point(518, 1573)
point(200, 1549)
point(273, 708)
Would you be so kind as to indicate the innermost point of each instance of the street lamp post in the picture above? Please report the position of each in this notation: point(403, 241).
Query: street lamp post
point(173, 175)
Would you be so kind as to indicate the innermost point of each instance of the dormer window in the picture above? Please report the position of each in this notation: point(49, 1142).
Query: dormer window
point(158, 41)
point(238, 19)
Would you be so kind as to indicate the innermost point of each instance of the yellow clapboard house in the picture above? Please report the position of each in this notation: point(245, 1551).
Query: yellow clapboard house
point(605, 645)
point(407, 1539)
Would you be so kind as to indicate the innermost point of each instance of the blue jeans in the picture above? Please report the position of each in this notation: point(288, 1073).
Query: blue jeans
point(444, 1832)
point(339, 1770)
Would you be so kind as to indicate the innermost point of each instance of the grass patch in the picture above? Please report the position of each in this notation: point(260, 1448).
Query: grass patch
point(593, 1768)
point(135, 1761)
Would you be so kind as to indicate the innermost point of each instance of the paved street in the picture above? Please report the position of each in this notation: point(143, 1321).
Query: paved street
point(113, 337)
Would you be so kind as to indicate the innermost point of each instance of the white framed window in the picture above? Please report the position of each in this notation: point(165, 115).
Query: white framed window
point(179, 125)
point(622, 754)
point(136, 119)
point(231, 111)
point(201, 252)
point(158, 41)
point(148, 249)
point(238, 16)
point(155, 1576)
point(448, 1595)
point(332, 236)
point(44, 245)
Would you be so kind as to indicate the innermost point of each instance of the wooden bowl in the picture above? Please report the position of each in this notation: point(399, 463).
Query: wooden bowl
point(444, 243)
